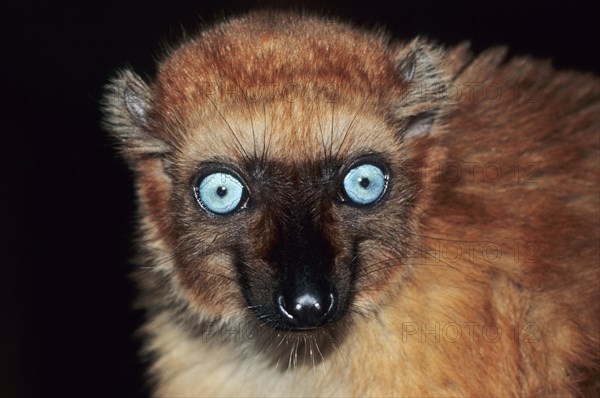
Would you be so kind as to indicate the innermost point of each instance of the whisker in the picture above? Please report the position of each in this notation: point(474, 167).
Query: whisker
point(331, 131)
point(334, 343)
point(247, 101)
point(325, 155)
point(343, 140)
point(241, 149)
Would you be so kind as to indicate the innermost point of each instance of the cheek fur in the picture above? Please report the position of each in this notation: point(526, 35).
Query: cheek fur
point(210, 283)
point(377, 272)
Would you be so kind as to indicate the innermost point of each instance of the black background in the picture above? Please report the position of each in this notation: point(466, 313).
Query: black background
point(67, 200)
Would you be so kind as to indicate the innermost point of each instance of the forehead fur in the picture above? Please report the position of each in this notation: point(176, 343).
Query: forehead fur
point(305, 79)
point(287, 132)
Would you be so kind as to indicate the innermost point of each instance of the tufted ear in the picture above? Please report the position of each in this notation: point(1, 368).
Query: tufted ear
point(424, 99)
point(126, 107)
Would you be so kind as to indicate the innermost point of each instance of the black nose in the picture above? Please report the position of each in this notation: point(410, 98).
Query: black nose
point(306, 308)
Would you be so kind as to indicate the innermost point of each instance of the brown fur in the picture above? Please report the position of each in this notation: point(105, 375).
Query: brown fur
point(491, 223)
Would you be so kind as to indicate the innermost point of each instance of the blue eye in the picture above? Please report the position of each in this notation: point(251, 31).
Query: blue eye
point(365, 184)
point(220, 193)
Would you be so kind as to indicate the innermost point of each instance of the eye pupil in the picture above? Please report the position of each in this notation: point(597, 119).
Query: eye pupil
point(222, 191)
point(364, 182)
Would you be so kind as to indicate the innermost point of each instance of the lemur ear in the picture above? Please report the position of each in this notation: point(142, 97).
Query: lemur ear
point(424, 99)
point(126, 108)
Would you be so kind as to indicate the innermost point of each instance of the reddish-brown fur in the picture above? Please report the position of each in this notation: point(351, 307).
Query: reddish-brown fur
point(491, 224)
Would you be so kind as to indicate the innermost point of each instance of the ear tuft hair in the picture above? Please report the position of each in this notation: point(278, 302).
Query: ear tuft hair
point(424, 100)
point(126, 107)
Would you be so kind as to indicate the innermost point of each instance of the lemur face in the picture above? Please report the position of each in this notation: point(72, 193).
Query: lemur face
point(304, 219)
point(276, 185)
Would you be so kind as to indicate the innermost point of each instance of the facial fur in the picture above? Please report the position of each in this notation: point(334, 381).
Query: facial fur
point(288, 105)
